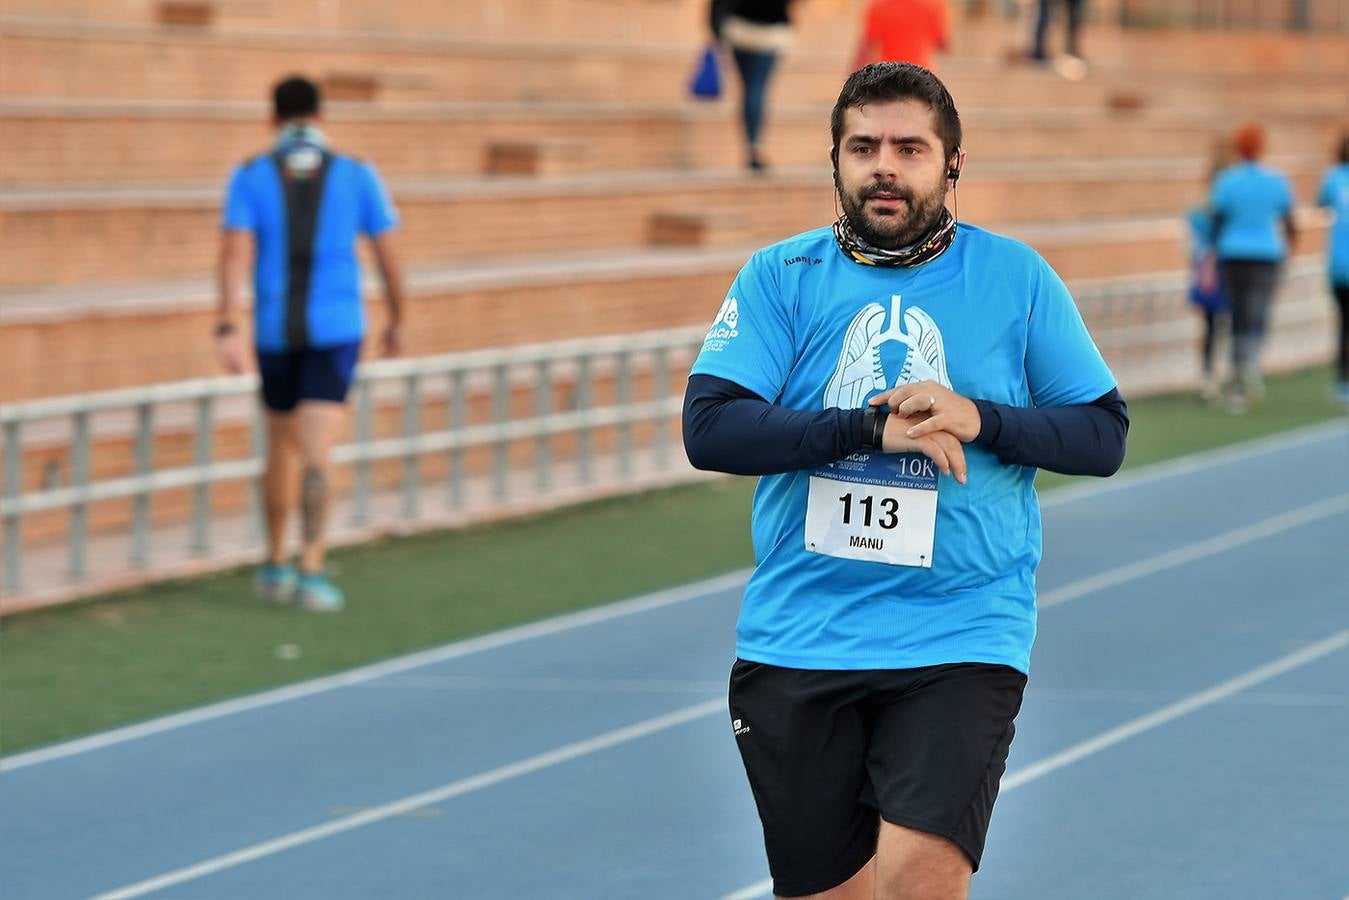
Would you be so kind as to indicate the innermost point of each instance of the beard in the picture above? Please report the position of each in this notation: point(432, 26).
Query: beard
point(901, 228)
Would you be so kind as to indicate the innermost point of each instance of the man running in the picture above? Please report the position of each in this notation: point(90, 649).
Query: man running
point(896, 379)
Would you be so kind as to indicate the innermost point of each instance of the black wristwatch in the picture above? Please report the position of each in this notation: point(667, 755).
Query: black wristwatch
point(873, 427)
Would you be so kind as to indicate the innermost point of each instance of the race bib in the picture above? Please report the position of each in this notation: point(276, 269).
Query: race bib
point(880, 507)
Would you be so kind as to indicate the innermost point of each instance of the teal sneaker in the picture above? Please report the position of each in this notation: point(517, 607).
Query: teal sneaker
point(276, 583)
point(317, 593)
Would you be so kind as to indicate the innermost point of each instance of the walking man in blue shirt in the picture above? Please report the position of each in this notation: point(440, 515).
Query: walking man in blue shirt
point(895, 379)
point(297, 211)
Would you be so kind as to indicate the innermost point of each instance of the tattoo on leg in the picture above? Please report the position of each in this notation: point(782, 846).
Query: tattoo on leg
point(313, 501)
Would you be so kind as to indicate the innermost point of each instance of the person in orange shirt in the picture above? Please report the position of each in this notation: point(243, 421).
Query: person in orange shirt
point(904, 31)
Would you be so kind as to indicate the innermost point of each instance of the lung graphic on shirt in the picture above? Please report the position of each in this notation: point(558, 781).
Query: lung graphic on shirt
point(885, 349)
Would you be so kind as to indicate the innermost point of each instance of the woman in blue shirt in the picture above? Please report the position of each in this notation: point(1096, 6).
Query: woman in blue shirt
point(1253, 225)
point(1334, 195)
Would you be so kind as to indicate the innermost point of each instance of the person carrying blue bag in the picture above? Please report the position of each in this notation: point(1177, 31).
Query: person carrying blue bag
point(756, 31)
point(1206, 293)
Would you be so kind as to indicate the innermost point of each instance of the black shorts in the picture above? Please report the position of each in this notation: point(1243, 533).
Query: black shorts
point(293, 376)
point(826, 751)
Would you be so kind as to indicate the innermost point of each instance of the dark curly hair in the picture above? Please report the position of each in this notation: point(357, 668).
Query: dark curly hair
point(886, 81)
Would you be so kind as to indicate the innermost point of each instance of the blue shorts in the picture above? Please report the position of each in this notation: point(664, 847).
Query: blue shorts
point(292, 377)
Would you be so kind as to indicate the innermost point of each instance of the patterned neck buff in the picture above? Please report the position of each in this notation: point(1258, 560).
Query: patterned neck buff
point(926, 250)
point(301, 134)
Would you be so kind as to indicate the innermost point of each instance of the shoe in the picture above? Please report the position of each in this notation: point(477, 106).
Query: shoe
point(1210, 391)
point(275, 582)
point(1070, 68)
point(1253, 383)
point(315, 592)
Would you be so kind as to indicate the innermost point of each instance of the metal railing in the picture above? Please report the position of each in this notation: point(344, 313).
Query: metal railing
point(494, 376)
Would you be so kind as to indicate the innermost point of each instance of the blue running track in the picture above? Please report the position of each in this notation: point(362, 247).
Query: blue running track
point(1185, 735)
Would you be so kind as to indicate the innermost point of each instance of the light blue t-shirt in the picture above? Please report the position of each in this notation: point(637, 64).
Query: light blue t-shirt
point(808, 328)
point(353, 202)
point(1334, 195)
point(1250, 201)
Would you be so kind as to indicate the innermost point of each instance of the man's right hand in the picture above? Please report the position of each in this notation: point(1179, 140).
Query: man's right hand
point(942, 447)
point(230, 349)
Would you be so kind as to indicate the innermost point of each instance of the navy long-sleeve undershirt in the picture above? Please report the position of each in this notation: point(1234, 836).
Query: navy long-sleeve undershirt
point(728, 428)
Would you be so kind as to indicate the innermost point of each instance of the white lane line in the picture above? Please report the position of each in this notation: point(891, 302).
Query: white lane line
point(364, 674)
point(545, 684)
point(1197, 462)
point(1141, 698)
point(1174, 711)
point(1220, 543)
point(755, 891)
point(1180, 466)
point(417, 801)
point(1135, 727)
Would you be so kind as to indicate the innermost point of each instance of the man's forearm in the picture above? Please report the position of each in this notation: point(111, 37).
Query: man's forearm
point(232, 272)
point(1083, 439)
point(392, 278)
point(728, 428)
point(393, 294)
point(230, 285)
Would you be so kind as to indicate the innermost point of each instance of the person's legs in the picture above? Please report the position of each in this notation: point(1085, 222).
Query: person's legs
point(935, 759)
point(280, 373)
point(1074, 24)
point(916, 865)
point(278, 483)
point(318, 424)
point(325, 379)
point(1210, 333)
point(1237, 282)
point(802, 736)
point(1042, 29)
point(1264, 281)
point(1208, 389)
point(755, 71)
point(1342, 361)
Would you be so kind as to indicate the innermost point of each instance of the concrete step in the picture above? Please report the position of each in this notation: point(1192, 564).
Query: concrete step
point(820, 26)
point(114, 233)
point(152, 142)
point(558, 21)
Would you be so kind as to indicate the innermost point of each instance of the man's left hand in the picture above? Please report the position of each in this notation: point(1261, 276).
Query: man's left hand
point(947, 411)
